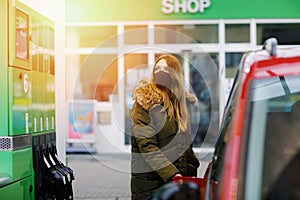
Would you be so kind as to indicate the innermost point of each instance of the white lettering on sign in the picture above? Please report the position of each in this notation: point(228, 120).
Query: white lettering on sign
point(184, 6)
point(25, 84)
point(26, 122)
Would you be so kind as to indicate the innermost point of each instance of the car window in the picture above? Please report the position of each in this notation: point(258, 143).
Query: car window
point(218, 157)
point(274, 139)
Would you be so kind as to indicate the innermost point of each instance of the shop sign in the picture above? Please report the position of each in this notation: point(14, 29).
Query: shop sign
point(184, 6)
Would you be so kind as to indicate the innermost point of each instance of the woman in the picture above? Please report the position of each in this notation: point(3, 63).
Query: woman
point(161, 138)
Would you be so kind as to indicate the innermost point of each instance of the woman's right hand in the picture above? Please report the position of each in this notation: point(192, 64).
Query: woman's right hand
point(177, 175)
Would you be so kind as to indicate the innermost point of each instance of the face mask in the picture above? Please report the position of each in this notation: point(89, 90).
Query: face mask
point(162, 79)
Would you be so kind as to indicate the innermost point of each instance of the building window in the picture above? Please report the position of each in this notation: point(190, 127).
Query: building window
point(203, 73)
point(232, 63)
point(136, 68)
point(91, 36)
point(136, 34)
point(186, 33)
point(237, 33)
point(286, 34)
point(98, 76)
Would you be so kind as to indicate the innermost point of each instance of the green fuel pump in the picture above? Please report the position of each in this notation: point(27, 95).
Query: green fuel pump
point(27, 107)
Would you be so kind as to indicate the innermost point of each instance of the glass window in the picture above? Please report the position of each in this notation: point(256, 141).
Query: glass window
point(98, 76)
point(188, 33)
point(136, 68)
point(232, 63)
point(237, 33)
point(274, 140)
point(286, 34)
point(93, 36)
point(203, 73)
point(137, 62)
point(22, 40)
point(136, 34)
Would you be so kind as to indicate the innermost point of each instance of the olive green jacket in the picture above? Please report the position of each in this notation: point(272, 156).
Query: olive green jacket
point(158, 151)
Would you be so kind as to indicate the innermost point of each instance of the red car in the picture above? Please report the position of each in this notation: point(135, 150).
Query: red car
point(257, 155)
point(258, 152)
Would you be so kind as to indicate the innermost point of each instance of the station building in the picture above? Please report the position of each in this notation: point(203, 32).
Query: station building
point(111, 44)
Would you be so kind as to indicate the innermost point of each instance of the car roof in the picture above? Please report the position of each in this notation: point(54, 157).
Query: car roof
point(262, 64)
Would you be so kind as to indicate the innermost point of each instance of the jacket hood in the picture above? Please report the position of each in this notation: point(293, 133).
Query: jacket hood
point(147, 95)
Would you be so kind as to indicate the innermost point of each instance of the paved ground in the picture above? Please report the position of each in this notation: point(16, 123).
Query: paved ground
point(105, 177)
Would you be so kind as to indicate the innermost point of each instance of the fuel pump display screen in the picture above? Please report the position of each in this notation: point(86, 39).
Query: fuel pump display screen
point(22, 40)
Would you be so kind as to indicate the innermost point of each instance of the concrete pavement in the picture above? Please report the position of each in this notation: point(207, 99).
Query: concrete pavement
point(107, 176)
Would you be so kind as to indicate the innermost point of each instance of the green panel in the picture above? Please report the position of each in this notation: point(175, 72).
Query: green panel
point(39, 94)
point(16, 164)
point(41, 103)
point(19, 101)
point(51, 79)
point(112, 10)
point(3, 68)
point(44, 100)
point(18, 190)
point(36, 113)
point(46, 68)
point(29, 103)
point(47, 103)
point(34, 105)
